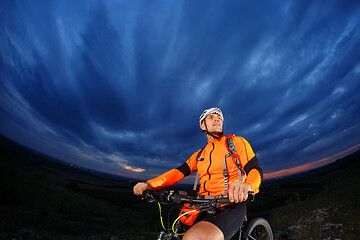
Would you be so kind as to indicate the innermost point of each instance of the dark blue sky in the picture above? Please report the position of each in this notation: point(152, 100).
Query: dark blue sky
point(118, 86)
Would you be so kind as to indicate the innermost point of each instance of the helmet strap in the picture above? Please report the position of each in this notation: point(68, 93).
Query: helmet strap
point(211, 134)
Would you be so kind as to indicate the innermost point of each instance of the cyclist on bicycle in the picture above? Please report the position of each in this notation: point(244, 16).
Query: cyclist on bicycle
point(219, 175)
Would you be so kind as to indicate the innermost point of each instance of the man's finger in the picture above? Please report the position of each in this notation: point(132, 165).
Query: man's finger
point(236, 193)
point(231, 194)
point(245, 195)
point(225, 192)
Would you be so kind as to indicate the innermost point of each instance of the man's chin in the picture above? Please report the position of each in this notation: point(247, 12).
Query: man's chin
point(217, 133)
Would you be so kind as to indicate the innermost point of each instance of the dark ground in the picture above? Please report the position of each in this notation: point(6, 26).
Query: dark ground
point(43, 198)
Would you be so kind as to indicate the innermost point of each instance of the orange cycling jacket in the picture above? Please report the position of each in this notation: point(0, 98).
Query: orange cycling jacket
point(210, 167)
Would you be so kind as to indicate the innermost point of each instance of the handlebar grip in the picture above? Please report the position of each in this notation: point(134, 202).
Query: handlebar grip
point(224, 201)
point(248, 200)
point(133, 183)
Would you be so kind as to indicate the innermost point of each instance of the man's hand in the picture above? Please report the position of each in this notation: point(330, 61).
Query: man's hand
point(140, 187)
point(238, 192)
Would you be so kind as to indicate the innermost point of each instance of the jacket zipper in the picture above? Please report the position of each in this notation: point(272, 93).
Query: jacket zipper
point(209, 169)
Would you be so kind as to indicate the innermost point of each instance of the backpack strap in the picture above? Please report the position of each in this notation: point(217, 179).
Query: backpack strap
point(200, 153)
point(198, 158)
point(234, 155)
point(226, 173)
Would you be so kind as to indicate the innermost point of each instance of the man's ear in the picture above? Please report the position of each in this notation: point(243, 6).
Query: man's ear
point(202, 126)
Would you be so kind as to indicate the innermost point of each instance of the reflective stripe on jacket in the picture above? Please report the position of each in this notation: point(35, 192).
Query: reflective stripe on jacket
point(210, 168)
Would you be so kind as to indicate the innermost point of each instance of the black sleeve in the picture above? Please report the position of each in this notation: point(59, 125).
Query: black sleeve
point(253, 163)
point(184, 169)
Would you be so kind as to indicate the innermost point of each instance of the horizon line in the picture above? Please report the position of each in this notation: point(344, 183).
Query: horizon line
point(308, 166)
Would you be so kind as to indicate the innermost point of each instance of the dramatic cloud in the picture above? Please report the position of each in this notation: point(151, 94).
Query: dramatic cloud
point(118, 86)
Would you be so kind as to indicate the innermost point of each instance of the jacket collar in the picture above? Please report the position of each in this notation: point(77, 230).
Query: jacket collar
point(217, 140)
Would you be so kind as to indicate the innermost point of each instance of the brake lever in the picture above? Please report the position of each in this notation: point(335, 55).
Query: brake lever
point(149, 196)
point(251, 197)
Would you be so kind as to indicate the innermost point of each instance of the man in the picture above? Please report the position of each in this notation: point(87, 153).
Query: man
point(211, 163)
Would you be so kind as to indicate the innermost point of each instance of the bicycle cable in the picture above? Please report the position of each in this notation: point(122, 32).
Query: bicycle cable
point(177, 219)
point(173, 226)
point(161, 219)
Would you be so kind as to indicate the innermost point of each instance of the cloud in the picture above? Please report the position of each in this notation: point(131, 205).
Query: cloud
point(121, 163)
point(131, 79)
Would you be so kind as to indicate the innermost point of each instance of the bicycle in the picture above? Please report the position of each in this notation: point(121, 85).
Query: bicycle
point(258, 229)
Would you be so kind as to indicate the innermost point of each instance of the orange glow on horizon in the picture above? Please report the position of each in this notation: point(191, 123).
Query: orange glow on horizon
point(308, 166)
point(130, 168)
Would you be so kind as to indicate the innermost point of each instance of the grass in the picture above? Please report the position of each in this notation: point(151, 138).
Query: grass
point(333, 212)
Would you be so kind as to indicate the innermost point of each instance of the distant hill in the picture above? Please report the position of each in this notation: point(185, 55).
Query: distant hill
point(342, 163)
point(56, 170)
point(43, 198)
point(303, 185)
point(323, 203)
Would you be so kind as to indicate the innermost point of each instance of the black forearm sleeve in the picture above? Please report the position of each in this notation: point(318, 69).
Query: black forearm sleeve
point(184, 169)
point(253, 163)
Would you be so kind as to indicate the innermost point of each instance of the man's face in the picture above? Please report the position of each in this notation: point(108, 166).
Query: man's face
point(214, 123)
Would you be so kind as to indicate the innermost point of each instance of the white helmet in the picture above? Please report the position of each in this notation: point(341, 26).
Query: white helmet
point(209, 111)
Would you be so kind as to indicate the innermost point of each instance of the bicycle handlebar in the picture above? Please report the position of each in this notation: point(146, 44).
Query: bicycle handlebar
point(172, 197)
point(211, 206)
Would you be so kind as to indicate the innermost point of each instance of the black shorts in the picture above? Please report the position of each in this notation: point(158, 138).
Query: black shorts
point(229, 220)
